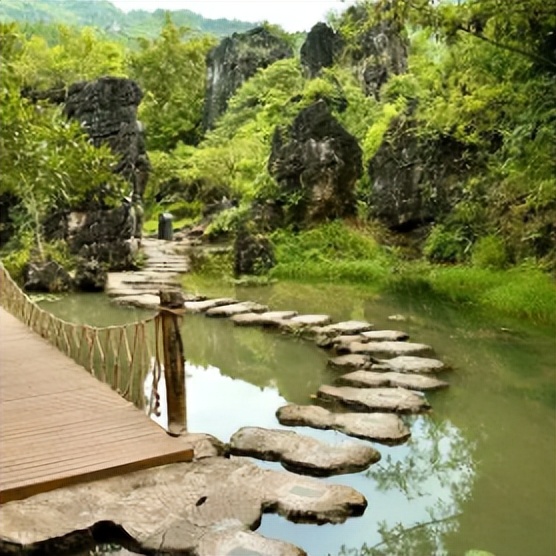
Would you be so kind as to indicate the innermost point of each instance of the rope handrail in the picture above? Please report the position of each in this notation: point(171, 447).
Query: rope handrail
point(120, 355)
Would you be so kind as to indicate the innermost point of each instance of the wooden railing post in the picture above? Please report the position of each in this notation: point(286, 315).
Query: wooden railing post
point(171, 307)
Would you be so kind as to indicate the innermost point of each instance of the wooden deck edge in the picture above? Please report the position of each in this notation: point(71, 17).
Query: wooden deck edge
point(19, 492)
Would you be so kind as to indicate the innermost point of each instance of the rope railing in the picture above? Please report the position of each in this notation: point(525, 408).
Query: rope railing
point(121, 356)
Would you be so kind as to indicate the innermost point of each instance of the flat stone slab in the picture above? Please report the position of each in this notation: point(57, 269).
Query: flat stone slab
point(302, 454)
point(266, 319)
point(202, 306)
point(245, 543)
point(385, 349)
point(175, 508)
point(311, 320)
point(144, 301)
point(224, 311)
point(369, 379)
point(346, 327)
point(385, 336)
point(386, 428)
point(350, 361)
point(411, 364)
point(389, 400)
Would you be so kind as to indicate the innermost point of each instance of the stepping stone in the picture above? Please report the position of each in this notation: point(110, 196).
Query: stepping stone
point(410, 364)
point(302, 454)
point(386, 349)
point(369, 379)
point(385, 336)
point(269, 318)
point(244, 543)
point(350, 361)
point(201, 306)
point(386, 428)
point(311, 320)
point(144, 301)
point(223, 311)
point(346, 327)
point(395, 400)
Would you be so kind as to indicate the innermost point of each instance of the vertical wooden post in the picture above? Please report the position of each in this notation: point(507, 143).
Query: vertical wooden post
point(171, 306)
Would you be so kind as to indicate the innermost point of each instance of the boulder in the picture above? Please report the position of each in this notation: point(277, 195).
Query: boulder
point(315, 162)
point(235, 60)
point(90, 275)
point(320, 49)
point(350, 361)
point(253, 254)
point(49, 276)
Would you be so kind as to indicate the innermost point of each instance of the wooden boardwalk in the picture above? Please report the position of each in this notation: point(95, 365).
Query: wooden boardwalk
point(61, 426)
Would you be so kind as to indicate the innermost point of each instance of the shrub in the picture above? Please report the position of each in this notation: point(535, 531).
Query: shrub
point(489, 252)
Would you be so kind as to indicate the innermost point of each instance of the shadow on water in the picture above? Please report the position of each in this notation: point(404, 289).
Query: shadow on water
point(478, 473)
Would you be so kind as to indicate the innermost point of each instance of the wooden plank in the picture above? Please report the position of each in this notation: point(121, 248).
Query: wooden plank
point(60, 426)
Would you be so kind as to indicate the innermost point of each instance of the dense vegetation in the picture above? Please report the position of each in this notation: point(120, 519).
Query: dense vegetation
point(481, 73)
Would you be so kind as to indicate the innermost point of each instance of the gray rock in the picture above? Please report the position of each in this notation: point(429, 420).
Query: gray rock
point(386, 349)
point(235, 60)
point(143, 301)
point(311, 320)
point(48, 276)
point(320, 49)
point(411, 364)
point(245, 543)
point(385, 336)
point(253, 254)
point(266, 319)
point(346, 327)
point(202, 306)
point(196, 500)
point(90, 276)
point(395, 400)
point(302, 454)
point(317, 160)
point(369, 379)
point(236, 309)
point(350, 361)
point(386, 428)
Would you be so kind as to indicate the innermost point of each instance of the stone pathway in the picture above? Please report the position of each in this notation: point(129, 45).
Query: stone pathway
point(212, 505)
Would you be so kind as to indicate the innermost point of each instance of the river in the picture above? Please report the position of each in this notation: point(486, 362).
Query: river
point(478, 473)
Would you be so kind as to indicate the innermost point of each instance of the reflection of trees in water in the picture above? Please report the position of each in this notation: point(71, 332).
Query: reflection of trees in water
point(440, 465)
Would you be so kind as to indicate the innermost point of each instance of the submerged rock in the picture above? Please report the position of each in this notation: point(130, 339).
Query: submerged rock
point(302, 454)
point(396, 400)
point(386, 428)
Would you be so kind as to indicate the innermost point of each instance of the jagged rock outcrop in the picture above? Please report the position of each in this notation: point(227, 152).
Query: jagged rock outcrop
point(377, 52)
point(316, 162)
point(48, 276)
point(320, 49)
point(90, 276)
point(235, 60)
point(107, 110)
point(414, 180)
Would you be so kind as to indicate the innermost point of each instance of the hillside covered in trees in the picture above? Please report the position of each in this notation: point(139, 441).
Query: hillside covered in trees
point(404, 143)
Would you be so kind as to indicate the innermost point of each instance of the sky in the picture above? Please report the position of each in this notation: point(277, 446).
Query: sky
point(292, 15)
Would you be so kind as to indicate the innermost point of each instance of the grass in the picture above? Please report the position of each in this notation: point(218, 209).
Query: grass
point(336, 253)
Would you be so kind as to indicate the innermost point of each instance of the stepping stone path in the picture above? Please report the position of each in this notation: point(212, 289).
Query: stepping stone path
point(300, 453)
point(386, 375)
point(386, 428)
point(396, 400)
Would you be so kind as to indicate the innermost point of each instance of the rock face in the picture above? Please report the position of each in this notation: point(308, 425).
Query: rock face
point(235, 60)
point(317, 162)
point(380, 51)
point(107, 110)
point(414, 181)
point(90, 276)
point(320, 48)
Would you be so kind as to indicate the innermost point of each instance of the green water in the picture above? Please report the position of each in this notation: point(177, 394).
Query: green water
point(478, 473)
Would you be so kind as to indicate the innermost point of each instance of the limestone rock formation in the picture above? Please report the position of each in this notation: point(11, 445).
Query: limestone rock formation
point(413, 180)
point(317, 162)
point(235, 60)
point(47, 276)
point(320, 49)
point(253, 254)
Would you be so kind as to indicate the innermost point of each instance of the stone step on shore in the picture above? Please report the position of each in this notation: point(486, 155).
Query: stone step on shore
point(389, 400)
point(386, 428)
point(302, 454)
